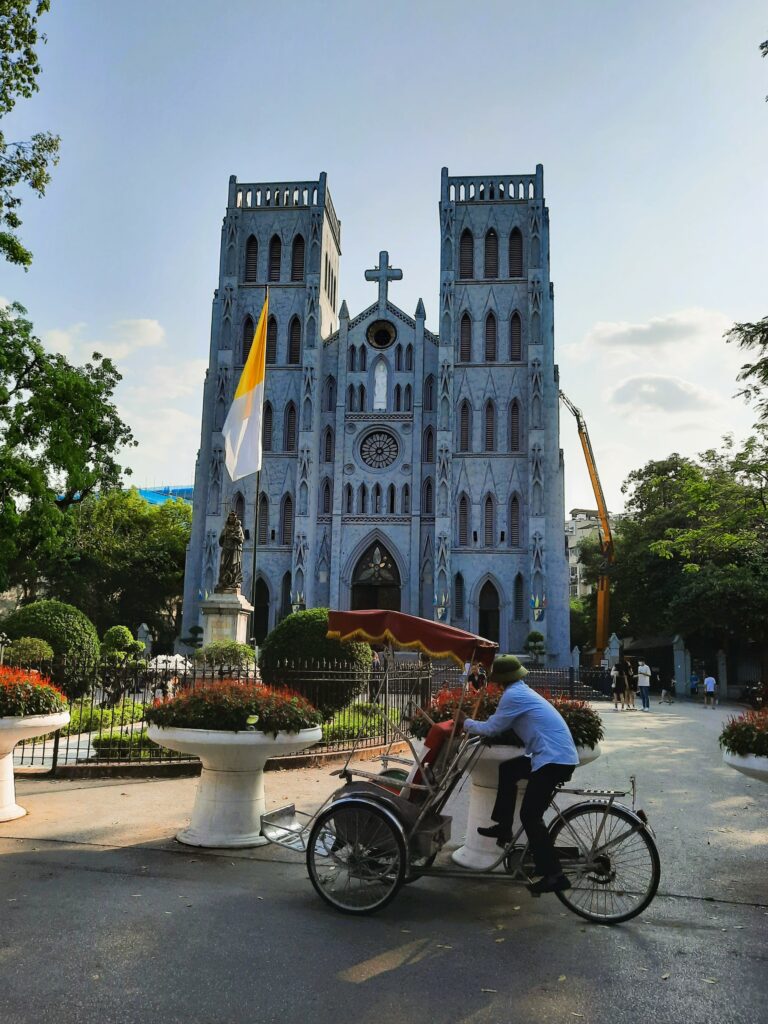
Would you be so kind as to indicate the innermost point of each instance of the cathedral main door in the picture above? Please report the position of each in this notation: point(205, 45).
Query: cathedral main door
point(376, 581)
point(488, 617)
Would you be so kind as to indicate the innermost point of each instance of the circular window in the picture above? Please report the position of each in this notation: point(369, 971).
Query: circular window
point(381, 333)
point(379, 449)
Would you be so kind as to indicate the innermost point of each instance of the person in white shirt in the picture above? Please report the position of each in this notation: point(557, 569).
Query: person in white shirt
point(644, 684)
point(710, 691)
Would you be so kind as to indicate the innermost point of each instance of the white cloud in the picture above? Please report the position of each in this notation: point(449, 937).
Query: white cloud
point(123, 338)
point(685, 326)
point(180, 380)
point(168, 440)
point(666, 393)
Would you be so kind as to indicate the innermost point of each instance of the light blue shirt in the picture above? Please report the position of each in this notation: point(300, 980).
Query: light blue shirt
point(546, 737)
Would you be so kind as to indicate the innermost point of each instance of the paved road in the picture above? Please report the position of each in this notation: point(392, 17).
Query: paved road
point(102, 918)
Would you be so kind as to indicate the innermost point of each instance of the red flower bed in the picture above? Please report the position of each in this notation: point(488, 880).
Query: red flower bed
point(25, 692)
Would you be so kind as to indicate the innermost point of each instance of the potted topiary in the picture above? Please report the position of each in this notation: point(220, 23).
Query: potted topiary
point(744, 740)
point(479, 852)
point(29, 706)
point(234, 728)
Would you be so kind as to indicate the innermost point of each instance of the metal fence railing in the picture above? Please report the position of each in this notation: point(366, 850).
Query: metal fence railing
point(107, 724)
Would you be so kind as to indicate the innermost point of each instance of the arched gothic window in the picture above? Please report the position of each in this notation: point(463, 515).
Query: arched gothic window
point(380, 386)
point(398, 398)
point(465, 427)
point(489, 426)
point(297, 259)
point(289, 428)
point(351, 361)
point(376, 500)
point(517, 598)
point(391, 499)
point(514, 426)
point(466, 255)
point(239, 507)
point(515, 253)
point(428, 498)
point(463, 521)
point(263, 531)
point(326, 498)
point(428, 446)
point(363, 359)
point(294, 342)
point(251, 258)
point(361, 398)
point(351, 398)
point(409, 357)
point(465, 339)
point(248, 331)
point(286, 520)
point(328, 445)
point(266, 428)
point(407, 398)
point(362, 500)
point(275, 254)
point(491, 254)
point(271, 355)
point(514, 521)
point(348, 506)
point(330, 394)
point(516, 338)
point(429, 394)
point(490, 338)
point(489, 522)
point(458, 596)
point(405, 503)
point(398, 357)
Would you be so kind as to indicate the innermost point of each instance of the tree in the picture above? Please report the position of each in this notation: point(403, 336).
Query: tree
point(124, 561)
point(753, 337)
point(25, 162)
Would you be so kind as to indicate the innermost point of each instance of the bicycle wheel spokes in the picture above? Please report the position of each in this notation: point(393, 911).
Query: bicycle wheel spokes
point(356, 857)
point(616, 873)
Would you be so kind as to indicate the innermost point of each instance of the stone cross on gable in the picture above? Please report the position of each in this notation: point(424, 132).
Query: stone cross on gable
point(383, 273)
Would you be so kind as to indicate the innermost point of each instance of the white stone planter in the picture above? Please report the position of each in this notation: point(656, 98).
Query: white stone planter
point(479, 852)
point(230, 795)
point(753, 765)
point(12, 731)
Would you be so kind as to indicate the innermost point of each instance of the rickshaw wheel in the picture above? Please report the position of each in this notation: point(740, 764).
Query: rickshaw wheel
point(356, 856)
point(623, 875)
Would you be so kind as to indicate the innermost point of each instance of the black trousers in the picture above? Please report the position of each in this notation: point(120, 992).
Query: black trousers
point(538, 794)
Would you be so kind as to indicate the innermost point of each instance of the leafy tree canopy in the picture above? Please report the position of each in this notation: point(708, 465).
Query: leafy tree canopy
point(22, 162)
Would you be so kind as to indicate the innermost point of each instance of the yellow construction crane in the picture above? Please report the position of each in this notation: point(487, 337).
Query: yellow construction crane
point(606, 538)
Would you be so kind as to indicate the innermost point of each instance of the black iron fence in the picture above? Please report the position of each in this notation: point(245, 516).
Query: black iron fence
point(107, 720)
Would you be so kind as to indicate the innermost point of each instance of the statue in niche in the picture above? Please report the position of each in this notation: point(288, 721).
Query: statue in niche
point(231, 542)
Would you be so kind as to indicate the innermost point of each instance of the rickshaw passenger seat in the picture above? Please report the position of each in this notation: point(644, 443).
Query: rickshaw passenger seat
point(434, 742)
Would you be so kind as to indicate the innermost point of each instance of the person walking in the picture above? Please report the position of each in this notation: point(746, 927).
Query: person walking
point(667, 688)
point(710, 691)
point(629, 684)
point(644, 684)
point(617, 687)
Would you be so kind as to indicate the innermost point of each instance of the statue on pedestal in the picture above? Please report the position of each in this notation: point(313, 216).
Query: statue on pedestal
point(231, 543)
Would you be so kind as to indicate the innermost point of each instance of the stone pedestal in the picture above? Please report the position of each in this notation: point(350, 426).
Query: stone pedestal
point(225, 617)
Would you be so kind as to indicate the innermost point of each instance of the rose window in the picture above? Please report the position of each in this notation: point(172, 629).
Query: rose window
point(379, 449)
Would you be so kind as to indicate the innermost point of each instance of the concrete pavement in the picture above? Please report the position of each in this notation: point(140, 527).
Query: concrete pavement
point(104, 917)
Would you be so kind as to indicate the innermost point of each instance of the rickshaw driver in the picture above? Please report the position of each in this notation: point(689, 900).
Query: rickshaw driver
point(550, 759)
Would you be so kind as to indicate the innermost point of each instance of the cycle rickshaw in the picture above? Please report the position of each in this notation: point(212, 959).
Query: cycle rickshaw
point(382, 830)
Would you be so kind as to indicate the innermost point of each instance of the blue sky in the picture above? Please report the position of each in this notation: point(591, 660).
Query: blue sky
point(649, 118)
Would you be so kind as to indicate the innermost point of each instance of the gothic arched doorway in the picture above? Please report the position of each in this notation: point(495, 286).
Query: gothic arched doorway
point(376, 580)
point(260, 610)
point(488, 618)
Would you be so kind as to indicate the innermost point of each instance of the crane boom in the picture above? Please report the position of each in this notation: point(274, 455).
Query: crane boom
point(606, 537)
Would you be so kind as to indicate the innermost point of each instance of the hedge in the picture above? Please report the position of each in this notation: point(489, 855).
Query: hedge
point(70, 633)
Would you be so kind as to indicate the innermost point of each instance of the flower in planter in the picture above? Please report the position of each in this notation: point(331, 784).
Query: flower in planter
point(237, 707)
point(25, 692)
point(583, 721)
point(746, 734)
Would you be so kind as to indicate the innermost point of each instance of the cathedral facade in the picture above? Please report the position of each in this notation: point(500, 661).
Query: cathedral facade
point(402, 468)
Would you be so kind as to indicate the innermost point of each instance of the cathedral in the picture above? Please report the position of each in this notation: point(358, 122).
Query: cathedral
point(402, 468)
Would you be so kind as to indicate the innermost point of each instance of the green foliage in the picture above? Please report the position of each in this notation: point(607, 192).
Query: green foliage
point(102, 719)
point(235, 706)
point(23, 692)
point(116, 745)
point(226, 652)
point(366, 721)
point(28, 650)
point(754, 337)
point(25, 162)
point(195, 638)
point(746, 734)
point(60, 434)
point(582, 623)
point(118, 646)
point(124, 561)
point(302, 637)
point(584, 723)
point(70, 633)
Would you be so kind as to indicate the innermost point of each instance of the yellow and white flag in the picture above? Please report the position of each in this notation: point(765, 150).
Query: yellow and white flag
point(242, 427)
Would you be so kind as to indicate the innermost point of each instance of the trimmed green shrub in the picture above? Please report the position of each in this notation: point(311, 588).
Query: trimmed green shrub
point(746, 734)
point(102, 719)
point(117, 745)
point(70, 633)
point(235, 706)
point(301, 638)
point(28, 650)
point(366, 721)
point(226, 652)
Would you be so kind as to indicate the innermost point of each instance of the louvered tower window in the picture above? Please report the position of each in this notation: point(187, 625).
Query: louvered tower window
point(294, 342)
point(514, 521)
point(490, 338)
point(490, 427)
point(297, 259)
point(488, 522)
point(248, 330)
point(466, 255)
point(491, 254)
point(330, 394)
point(517, 609)
point(286, 521)
point(429, 394)
point(428, 503)
point(289, 431)
point(326, 498)
point(263, 531)
point(465, 427)
point(251, 258)
point(275, 254)
point(428, 447)
point(465, 339)
point(514, 426)
point(463, 521)
point(266, 428)
point(515, 253)
point(328, 445)
point(271, 341)
point(458, 596)
point(516, 338)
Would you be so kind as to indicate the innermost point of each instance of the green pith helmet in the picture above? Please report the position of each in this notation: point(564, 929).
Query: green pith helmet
point(506, 669)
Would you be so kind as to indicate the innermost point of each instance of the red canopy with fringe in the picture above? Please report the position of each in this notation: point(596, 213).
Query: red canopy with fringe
point(409, 632)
